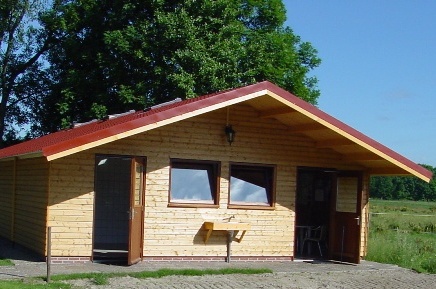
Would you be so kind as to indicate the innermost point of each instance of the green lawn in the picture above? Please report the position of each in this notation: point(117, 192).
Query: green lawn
point(32, 285)
point(403, 233)
point(412, 207)
point(102, 278)
point(5, 262)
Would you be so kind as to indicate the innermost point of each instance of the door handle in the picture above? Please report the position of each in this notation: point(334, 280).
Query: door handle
point(358, 221)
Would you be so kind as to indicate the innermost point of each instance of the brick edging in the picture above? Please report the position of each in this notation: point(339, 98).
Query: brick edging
point(81, 259)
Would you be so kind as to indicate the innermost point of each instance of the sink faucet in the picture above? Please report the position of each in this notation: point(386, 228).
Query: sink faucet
point(229, 218)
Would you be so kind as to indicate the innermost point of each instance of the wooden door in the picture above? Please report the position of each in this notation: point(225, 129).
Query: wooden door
point(345, 224)
point(136, 213)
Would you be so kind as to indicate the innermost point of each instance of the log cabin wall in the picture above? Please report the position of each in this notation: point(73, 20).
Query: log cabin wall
point(71, 204)
point(177, 231)
point(30, 212)
point(6, 197)
point(365, 216)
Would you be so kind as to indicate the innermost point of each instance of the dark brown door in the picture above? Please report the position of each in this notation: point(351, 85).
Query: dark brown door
point(346, 219)
point(136, 213)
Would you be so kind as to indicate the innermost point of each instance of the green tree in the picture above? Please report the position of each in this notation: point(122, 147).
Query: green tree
point(23, 41)
point(399, 192)
point(412, 188)
point(119, 55)
point(427, 191)
point(381, 187)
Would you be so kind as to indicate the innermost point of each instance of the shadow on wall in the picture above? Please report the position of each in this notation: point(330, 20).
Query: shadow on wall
point(12, 251)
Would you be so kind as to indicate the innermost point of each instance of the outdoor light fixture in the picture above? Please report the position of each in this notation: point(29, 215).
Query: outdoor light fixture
point(230, 133)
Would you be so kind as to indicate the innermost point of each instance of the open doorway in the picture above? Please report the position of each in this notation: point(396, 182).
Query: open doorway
point(313, 203)
point(118, 209)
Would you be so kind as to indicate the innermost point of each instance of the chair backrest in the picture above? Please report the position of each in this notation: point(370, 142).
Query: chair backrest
point(322, 233)
point(319, 233)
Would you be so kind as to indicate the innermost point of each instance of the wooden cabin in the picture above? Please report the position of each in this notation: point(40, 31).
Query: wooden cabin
point(255, 166)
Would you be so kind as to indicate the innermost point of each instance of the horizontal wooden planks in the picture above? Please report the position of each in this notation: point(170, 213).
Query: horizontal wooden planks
point(6, 197)
point(365, 216)
point(31, 203)
point(71, 202)
point(170, 231)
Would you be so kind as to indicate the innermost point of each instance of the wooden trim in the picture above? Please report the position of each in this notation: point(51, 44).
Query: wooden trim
point(47, 207)
point(271, 206)
point(23, 156)
point(14, 192)
point(322, 118)
point(136, 238)
point(361, 157)
point(251, 207)
point(328, 143)
point(191, 205)
point(306, 127)
point(215, 165)
point(388, 171)
point(276, 112)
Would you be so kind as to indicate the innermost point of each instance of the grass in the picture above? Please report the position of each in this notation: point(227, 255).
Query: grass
point(412, 207)
point(403, 233)
point(32, 285)
point(102, 278)
point(6, 262)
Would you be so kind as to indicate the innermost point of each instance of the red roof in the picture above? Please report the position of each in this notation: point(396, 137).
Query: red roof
point(86, 134)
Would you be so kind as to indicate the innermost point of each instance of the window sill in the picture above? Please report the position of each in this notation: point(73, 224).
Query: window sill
point(192, 205)
point(251, 207)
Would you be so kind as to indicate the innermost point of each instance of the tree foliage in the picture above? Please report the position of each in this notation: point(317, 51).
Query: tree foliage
point(23, 41)
point(119, 55)
point(403, 188)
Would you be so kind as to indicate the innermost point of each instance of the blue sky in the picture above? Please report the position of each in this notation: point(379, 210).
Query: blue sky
point(378, 70)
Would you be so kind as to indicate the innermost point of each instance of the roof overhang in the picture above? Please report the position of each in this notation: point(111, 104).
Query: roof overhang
point(141, 125)
point(328, 132)
point(271, 102)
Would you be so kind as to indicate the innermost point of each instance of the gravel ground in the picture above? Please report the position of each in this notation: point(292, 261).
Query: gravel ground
point(398, 279)
point(307, 275)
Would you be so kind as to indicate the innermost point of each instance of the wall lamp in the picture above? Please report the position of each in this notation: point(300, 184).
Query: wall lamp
point(230, 133)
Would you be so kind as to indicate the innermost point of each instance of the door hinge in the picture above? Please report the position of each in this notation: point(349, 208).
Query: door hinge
point(131, 213)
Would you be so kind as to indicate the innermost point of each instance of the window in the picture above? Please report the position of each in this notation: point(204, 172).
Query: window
point(251, 185)
point(194, 183)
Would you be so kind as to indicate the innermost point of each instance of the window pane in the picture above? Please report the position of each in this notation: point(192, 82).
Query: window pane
point(251, 185)
point(193, 182)
point(243, 191)
point(138, 184)
point(346, 199)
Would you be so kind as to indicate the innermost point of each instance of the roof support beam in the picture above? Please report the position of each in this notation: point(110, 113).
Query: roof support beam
point(388, 171)
point(276, 112)
point(328, 143)
point(306, 127)
point(361, 157)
